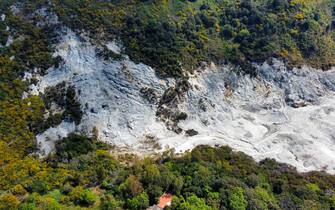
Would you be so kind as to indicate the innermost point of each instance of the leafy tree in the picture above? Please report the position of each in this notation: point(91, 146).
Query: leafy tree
point(194, 203)
point(87, 198)
point(141, 201)
point(110, 203)
point(48, 203)
point(8, 202)
point(84, 197)
point(132, 186)
point(237, 200)
point(228, 31)
point(39, 186)
point(73, 146)
point(28, 206)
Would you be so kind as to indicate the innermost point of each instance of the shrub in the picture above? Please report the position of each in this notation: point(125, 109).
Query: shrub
point(84, 197)
point(228, 32)
point(73, 146)
point(194, 203)
point(8, 202)
point(18, 190)
point(28, 206)
point(110, 203)
point(138, 202)
point(87, 198)
point(40, 187)
point(131, 186)
point(237, 200)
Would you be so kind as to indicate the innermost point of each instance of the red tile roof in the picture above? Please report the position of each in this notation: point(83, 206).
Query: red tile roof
point(165, 200)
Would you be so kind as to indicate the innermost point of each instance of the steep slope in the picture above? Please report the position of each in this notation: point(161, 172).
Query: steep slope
point(109, 92)
point(150, 76)
point(283, 114)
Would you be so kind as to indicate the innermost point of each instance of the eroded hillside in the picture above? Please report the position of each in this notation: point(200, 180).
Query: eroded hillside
point(161, 78)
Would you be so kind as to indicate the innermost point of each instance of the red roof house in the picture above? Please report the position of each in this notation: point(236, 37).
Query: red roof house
point(164, 201)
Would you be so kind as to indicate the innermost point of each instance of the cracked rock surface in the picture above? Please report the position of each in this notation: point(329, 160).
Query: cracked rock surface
point(284, 114)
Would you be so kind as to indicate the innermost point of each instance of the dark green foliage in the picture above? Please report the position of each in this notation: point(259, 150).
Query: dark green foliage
point(39, 187)
point(193, 203)
point(87, 198)
point(110, 203)
point(72, 107)
point(138, 202)
point(207, 20)
point(228, 31)
point(28, 206)
point(206, 178)
point(29, 50)
point(64, 97)
point(73, 146)
point(173, 36)
point(237, 200)
point(156, 44)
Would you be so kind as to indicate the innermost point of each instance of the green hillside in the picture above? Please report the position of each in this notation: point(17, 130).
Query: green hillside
point(173, 36)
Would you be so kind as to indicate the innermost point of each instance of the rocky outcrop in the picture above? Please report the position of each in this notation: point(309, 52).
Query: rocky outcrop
point(168, 109)
point(280, 113)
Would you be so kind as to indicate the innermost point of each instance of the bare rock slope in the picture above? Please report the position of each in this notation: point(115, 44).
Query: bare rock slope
point(284, 114)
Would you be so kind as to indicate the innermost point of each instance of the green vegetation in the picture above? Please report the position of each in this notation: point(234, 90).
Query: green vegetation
point(172, 36)
point(64, 97)
point(236, 199)
point(20, 118)
point(206, 178)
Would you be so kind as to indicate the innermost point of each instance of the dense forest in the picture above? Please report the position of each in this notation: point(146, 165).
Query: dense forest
point(173, 36)
point(83, 174)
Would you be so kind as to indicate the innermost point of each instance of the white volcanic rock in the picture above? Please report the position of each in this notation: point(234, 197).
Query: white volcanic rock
point(256, 120)
point(10, 41)
point(109, 93)
point(114, 47)
point(48, 17)
point(248, 114)
point(46, 141)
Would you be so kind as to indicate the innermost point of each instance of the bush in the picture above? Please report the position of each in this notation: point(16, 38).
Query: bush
point(8, 202)
point(83, 197)
point(228, 32)
point(48, 203)
point(132, 186)
point(73, 146)
point(87, 198)
point(18, 190)
point(40, 187)
point(194, 203)
point(237, 200)
point(110, 203)
point(138, 202)
point(28, 206)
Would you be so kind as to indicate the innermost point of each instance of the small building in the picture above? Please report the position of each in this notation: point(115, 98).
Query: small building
point(164, 201)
